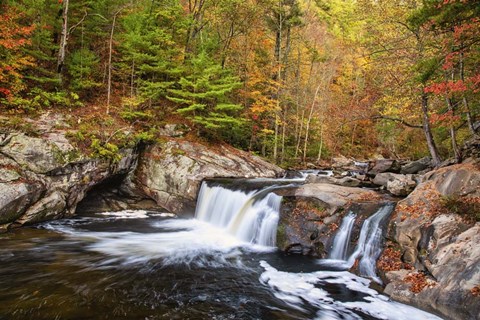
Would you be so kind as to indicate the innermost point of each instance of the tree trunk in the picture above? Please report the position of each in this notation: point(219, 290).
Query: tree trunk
point(470, 120)
point(278, 57)
point(307, 128)
point(63, 39)
point(320, 149)
point(110, 53)
point(432, 148)
point(453, 134)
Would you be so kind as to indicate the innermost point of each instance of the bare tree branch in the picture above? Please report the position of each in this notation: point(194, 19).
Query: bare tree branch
point(397, 120)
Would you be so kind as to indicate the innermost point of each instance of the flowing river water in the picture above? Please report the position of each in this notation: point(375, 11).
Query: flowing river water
point(146, 265)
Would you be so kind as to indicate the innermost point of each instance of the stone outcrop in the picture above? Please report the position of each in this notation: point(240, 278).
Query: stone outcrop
point(385, 165)
point(43, 179)
point(172, 173)
point(311, 214)
point(438, 231)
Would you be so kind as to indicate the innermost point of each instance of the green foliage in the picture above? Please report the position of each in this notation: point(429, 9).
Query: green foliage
point(204, 95)
point(105, 150)
point(150, 51)
point(82, 66)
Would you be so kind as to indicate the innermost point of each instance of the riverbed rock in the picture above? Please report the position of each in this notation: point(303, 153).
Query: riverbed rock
point(385, 165)
point(172, 173)
point(438, 231)
point(344, 181)
point(396, 184)
point(416, 166)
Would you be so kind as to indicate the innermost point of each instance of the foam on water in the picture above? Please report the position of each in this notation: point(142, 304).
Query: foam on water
point(302, 289)
point(178, 241)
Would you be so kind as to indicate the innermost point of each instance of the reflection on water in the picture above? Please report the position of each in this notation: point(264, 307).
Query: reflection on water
point(136, 265)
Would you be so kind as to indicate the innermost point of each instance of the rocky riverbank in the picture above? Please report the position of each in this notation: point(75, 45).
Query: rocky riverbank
point(432, 258)
point(45, 177)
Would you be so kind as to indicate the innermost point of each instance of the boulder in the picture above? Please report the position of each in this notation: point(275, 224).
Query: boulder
point(38, 155)
point(385, 165)
point(342, 162)
point(171, 174)
point(416, 166)
point(437, 232)
point(396, 184)
point(401, 186)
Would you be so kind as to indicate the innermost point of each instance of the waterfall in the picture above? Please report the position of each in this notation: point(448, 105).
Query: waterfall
point(342, 238)
point(249, 216)
point(369, 246)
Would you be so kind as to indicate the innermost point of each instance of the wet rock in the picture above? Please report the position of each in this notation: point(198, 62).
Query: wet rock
point(311, 214)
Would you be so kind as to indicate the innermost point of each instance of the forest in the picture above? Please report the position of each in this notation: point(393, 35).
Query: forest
point(295, 81)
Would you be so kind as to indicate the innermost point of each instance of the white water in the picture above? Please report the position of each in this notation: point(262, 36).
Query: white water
point(251, 217)
point(300, 290)
point(369, 246)
point(229, 224)
point(342, 238)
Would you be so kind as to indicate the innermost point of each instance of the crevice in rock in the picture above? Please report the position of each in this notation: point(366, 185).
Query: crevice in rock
point(109, 195)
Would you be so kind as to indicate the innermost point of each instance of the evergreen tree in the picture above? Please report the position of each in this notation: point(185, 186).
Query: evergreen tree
point(204, 96)
point(151, 51)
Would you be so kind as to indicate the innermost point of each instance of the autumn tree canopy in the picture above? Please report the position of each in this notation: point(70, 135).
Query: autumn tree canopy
point(293, 80)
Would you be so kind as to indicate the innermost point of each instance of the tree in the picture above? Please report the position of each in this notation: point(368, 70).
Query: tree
point(203, 96)
point(13, 38)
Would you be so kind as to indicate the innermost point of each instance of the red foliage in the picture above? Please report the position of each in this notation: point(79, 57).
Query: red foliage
point(446, 87)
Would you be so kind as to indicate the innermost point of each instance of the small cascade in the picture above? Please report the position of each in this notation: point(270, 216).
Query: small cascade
point(369, 246)
point(249, 216)
point(342, 238)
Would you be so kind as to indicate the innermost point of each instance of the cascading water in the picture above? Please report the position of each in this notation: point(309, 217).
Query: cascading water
point(342, 238)
point(369, 246)
point(249, 216)
point(145, 265)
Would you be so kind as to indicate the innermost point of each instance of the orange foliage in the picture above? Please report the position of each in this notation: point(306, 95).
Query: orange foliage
point(419, 281)
point(13, 37)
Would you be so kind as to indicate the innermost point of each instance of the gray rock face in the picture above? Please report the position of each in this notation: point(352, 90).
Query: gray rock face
point(444, 245)
point(172, 174)
point(38, 155)
point(43, 179)
point(344, 181)
point(311, 214)
point(396, 184)
point(416, 166)
point(385, 165)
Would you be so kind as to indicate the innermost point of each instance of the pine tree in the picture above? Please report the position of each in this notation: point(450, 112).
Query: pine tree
point(151, 49)
point(204, 96)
